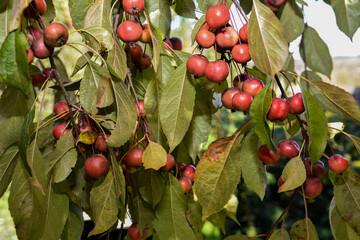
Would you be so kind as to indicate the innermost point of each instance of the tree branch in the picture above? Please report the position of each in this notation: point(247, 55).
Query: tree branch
point(241, 10)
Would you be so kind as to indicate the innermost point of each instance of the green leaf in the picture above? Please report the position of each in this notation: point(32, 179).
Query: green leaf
point(98, 38)
point(170, 222)
point(339, 227)
point(356, 141)
point(316, 52)
point(302, 2)
point(200, 126)
point(218, 172)
point(237, 237)
point(119, 177)
point(87, 137)
point(94, 77)
point(143, 213)
point(18, 7)
point(78, 10)
point(197, 27)
point(204, 5)
point(20, 200)
point(267, 40)
point(151, 186)
point(98, 15)
point(258, 110)
point(82, 62)
point(253, 169)
point(57, 212)
point(324, 102)
point(317, 127)
point(246, 6)
point(156, 41)
point(74, 224)
point(280, 234)
point(104, 204)
point(125, 116)
point(298, 230)
point(116, 60)
point(63, 159)
point(294, 175)
point(160, 14)
point(185, 8)
point(292, 20)
point(347, 197)
point(347, 17)
point(14, 70)
point(341, 99)
point(7, 165)
point(35, 161)
point(154, 156)
point(50, 13)
point(177, 106)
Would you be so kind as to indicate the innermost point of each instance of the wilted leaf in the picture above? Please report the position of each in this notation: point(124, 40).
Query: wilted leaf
point(252, 168)
point(218, 172)
point(14, 70)
point(292, 20)
point(339, 227)
point(125, 116)
point(87, 137)
point(154, 156)
point(151, 186)
point(298, 230)
point(258, 110)
point(170, 222)
point(267, 40)
point(294, 175)
point(347, 17)
point(104, 204)
point(316, 52)
point(177, 106)
point(7, 165)
point(317, 126)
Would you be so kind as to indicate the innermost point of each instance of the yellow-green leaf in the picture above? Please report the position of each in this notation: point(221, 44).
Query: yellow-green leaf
point(154, 156)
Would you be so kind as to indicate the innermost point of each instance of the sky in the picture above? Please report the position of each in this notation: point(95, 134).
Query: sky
point(321, 17)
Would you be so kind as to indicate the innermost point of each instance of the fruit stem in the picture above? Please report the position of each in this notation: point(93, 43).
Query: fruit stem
point(67, 99)
point(331, 146)
point(283, 93)
point(116, 21)
point(237, 5)
point(145, 126)
point(281, 216)
point(306, 213)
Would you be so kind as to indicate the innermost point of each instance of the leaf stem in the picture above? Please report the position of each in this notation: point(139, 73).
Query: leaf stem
point(281, 216)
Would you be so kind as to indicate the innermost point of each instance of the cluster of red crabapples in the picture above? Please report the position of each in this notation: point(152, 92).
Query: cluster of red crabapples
point(218, 33)
point(312, 186)
point(131, 31)
point(42, 44)
point(97, 165)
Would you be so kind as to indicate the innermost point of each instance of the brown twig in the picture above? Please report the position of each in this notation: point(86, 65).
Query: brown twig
point(241, 10)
